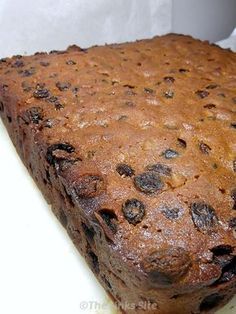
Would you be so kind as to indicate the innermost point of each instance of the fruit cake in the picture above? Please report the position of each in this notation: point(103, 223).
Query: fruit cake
point(134, 147)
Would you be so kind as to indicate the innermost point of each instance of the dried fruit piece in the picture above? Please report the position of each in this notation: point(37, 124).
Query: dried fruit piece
point(204, 216)
point(44, 63)
point(33, 115)
point(161, 169)
point(124, 170)
point(28, 72)
point(169, 94)
point(232, 223)
point(182, 142)
point(209, 106)
point(88, 231)
point(18, 64)
point(70, 62)
point(149, 90)
point(41, 93)
point(108, 220)
point(167, 265)
point(170, 154)
point(88, 185)
point(62, 86)
point(51, 155)
point(233, 196)
point(170, 212)
point(169, 79)
point(204, 148)
point(234, 165)
point(233, 125)
point(202, 93)
point(212, 86)
point(133, 211)
point(93, 259)
point(211, 301)
point(148, 182)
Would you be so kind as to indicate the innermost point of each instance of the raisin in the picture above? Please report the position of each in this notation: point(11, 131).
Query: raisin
point(44, 63)
point(183, 70)
point(211, 301)
point(228, 271)
point(232, 223)
point(212, 86)
point(124, 170)
point(28, 72)
point(170, 154)
point(133, 211)
point(233, 196)
point(41, 93)
point(161, 169)
point(18, 64)
point(55, 101)
point(209, 106)
point(182, 142)
point(88, 231)
point(168, 94)
point(93, 261)
point(222, 249)
point(3, 60)
point(168, 265)
point(170, 212)
point(204, 216)
point(169, 79)
point(33, 115)
point(108, 220)
point(233, 125)
point(62, 86)
point(204, 148)
point(88, 185)
point(148, 182)
point(51, 157)
point(70, 62)
point(234, 100)
point(234, 165)
point(202, 93)
point(149, 90)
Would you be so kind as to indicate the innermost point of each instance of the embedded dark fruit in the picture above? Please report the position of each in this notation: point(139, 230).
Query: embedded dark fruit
point(182, 143)
point(211, 302)
point(108, 220)
point(234, 165)
point(62, 86)
point(89, 185)
point(202, 93)
point(204, 216)
point(124, 170)
point(212, 86)
point(41, 93)
point(232, 223)
point(170, 212)
point(33, 115)
point(170, 154)
point(169, 79)
point(161, 169)
point(166, 266)
point(169, 94)
point(51, 155)
point(209, 106)
point(204, 148)
point(222, 250)
point(88, 231)
point(233, 196)
point(93, 259)
point(148, 182)
point(133, 211)
point(44, 63)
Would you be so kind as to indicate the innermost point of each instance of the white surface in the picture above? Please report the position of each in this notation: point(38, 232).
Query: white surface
point(30, 26)
point(41, 271)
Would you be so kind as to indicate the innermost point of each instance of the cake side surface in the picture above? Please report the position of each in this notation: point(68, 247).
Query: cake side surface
point(134, 146)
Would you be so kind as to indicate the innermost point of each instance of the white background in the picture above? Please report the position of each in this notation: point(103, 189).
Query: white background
point(40, 270)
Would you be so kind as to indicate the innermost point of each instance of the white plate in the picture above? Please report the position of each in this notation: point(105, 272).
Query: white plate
point(41, 271)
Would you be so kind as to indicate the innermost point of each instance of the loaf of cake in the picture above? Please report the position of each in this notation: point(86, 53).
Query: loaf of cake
point(134, 147)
